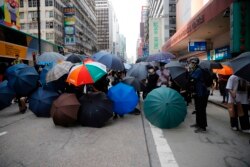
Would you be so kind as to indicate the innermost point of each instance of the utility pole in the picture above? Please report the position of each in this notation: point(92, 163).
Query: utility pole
point(39, 26)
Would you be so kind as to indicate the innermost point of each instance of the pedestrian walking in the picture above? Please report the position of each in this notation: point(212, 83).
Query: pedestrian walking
point(222, 87)
point(201, 93)
point(238, 103)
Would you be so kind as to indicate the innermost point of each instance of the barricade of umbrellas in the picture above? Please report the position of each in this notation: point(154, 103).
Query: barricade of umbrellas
point(61, 89)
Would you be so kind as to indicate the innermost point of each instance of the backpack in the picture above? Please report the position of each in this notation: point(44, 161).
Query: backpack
point(207, 77)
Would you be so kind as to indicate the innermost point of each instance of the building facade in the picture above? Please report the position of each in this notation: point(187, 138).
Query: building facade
point(52, 22)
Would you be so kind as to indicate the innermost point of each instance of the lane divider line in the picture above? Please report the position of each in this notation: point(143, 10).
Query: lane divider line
point(3, 133)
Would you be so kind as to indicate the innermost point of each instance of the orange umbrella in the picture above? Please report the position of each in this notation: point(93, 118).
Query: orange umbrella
point(226, 70)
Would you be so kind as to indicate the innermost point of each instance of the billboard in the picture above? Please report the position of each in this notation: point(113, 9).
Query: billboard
point(155, 35)
point(9, 13)
point(69, 26)
point(197, 46)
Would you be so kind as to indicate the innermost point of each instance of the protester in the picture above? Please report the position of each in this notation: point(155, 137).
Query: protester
point(201, 94)
point(215, 83)
point(152, 79)
point(17, 60)
point(222, 87)
point(238, 103)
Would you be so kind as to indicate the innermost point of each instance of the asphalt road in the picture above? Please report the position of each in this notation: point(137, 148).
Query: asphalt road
point(26, 140)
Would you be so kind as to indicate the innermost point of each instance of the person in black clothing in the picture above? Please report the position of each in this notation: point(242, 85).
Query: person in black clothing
point(201, 94)
point(152, 80)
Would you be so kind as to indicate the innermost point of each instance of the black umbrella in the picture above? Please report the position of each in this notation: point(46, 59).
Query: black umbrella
point(133, 82)
point(241, 65)
point(6, 95)
point(178, 73)
point(141, 59)
point(111, 61)
point(73, 58)
point(138, 70)
point(210, 64)
point(96, 109)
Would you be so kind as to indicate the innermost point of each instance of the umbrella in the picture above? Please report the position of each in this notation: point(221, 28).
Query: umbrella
point(96, 109)
point(73, 58)
point(138, 70)
point(43, 74)
point(49, 58)
point(11, 71)
point(6, 95)
point(41, 100)
point(86, 73)
point(112, 61)
point(210, 64)
point(178, 73)
point(161, 57)
point(58, 71)
point(241, 65)
point(24, 80)
point(124, 98)
point(226, 70)
point(133, 82)
point(165, 108)
point(141, 59)
point(127, 66)
point(64, 109)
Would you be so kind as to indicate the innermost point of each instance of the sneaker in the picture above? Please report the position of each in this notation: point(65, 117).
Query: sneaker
point(200, 130)
point(194, 126)
point(235, 128)
point(246, 131)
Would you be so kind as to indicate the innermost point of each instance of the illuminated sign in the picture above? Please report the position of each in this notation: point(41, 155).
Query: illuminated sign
point(197, 46)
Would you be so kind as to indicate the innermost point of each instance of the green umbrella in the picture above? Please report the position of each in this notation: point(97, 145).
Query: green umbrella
point(165, 107)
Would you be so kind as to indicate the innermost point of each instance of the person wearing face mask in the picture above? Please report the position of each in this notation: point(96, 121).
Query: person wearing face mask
point(152, 79)
point(200, 92)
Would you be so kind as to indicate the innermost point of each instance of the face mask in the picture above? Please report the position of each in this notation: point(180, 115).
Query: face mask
point(151, 70)
point(191, 66)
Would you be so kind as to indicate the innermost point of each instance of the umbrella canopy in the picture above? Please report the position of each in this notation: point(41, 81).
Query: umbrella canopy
point(6, 95)
point(23, 80)
point(241, 66)
point(111, 61)
point(58, 71)
point(43, 74)
point(210, 64)
point(64, 109)
point(138, 70)
point(96, 109)
point(41, 100)
point(11, 71)
point(178, 73)
point(49, 58)
point(73, 58)
point(127, 66)
point(226, 70)
point(161, 57)
point(165, 108)
point(124, 98)
point(86, 73)
point(141, 59)
point(133, 82)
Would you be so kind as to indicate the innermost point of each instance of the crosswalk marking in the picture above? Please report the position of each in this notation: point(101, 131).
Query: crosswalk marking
point(164, 151)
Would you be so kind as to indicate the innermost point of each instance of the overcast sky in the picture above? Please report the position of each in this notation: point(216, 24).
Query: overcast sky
point(128, 13)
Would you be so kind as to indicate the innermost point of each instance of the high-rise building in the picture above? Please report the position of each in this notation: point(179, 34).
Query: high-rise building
point(52, 23)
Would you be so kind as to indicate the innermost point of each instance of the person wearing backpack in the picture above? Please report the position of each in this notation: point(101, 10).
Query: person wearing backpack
point(201, 92)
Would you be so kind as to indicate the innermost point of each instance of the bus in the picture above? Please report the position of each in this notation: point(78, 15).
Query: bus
point(14, 42)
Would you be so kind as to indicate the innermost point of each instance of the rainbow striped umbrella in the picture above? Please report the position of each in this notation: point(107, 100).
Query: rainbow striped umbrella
point(87, 73)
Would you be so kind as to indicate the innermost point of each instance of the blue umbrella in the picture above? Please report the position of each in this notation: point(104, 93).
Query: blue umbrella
point(41, 100)
point(13, 69)
point(161, 57)
point(49, 58)
point(124, 98)
point(23, 81)
point(165, 107)
point(110, 60)
point(6, 95)
point(42, 76)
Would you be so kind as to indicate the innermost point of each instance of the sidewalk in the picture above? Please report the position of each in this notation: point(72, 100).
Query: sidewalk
point(216, 99)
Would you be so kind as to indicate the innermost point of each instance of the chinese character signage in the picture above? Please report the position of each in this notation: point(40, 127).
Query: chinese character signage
point(69, 26)
point(220, 53)
point(197, 46)
point(155, 35)
point(9, 13)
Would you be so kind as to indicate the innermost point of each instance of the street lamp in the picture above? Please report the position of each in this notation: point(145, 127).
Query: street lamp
point(39, 26)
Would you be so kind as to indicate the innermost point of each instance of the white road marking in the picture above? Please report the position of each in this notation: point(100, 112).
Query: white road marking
point(3, 133)
point(164, 151)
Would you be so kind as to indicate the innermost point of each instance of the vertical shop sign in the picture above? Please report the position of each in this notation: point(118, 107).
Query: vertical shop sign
point(69, 26)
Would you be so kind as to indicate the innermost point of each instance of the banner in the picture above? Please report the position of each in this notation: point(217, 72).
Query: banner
point(69, 26)
point(155, 35)
point(9, 13)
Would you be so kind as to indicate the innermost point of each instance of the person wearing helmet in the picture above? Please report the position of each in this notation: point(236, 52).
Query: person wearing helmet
point(200, 92)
